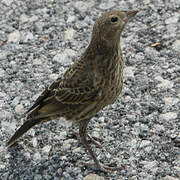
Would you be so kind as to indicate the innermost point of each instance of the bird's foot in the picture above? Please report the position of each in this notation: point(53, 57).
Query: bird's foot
point(108, 167)
point(96, 141)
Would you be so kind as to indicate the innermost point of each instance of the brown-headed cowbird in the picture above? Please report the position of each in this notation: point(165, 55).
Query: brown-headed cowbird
point(94, 81)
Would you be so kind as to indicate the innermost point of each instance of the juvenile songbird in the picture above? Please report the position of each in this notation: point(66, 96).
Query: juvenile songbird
point(94, 81)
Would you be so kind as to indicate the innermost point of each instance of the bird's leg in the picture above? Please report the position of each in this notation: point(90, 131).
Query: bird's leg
point(96, 141)
point(97, 164)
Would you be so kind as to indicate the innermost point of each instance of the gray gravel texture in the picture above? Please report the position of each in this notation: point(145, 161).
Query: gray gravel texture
point(40, 39)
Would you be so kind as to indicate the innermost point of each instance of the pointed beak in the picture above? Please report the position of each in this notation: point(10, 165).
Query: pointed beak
point(130, 14)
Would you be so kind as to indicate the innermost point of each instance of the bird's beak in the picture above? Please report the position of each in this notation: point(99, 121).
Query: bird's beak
point(130, 14)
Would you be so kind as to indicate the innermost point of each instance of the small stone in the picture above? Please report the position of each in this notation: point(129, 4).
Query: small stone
point(129, 72)
point(7, 2)
point(33, 18)
point(3, 95)
point(15, 101)
point(6, 126)
point(177, 169)
point(101, 119)
point(77, 150)
point(71, 19)
point(176, 45)
point(3, 55)
point(144, 128)
point(65, 57)
point(69, 33)
point(151, 53)
point(34, 142)
point(169, 101)
point(26, 37)
point(159, 128)
point(67, 144)
point(165, 84)
point(83, 6)
point(96, 134)
point(19, 108)
point(46, 149)
point(37, 156)
point(93, 177)
point(168, 116)
point(2, 73)
point(131, 118)
point(149, 164)
point(3, 37)
point(24, 18)
point(60, 171)
point(38, 27)
point(108, 5)
point(145, 143)
point(53, 76)
point(169, 178)
point(14, 37)
point(172, 20)
point(37, 177)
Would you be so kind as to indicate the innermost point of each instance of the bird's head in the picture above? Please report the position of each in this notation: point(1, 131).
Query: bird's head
point(109, 26)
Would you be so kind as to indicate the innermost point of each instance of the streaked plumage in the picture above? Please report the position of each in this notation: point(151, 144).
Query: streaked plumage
point(91, 83)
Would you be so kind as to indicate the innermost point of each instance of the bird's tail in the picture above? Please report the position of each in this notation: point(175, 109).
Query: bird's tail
point(23, 129)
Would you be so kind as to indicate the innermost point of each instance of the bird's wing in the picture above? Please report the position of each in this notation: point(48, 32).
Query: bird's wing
point(74, 87)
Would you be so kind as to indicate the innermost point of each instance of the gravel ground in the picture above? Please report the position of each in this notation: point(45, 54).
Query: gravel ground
point(40, 39)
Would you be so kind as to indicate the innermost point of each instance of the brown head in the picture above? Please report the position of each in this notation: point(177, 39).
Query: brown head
point(109, 26)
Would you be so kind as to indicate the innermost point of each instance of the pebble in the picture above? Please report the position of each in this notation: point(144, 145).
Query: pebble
point(145, 143)
point(37, 177)
point(129, 72)
point(165, 84)
point(3, 37)
point(93, 177)
point(7, 2)
point(159, 128)
point(34, 142)
point(2, 73)
point(149, 164)
point(69, 34)
point(65, 57)
point(83, 6)
point(14, 37)
point(176, 45)
point(24, 18)
point(169, 101)
point(26, 37)
point(15, 101)
point(67, 144)
point(151, 53)
point(107, 5)
point(8, 126)
point(46, 149)
point(172, 20)
point(169, 178)
point(19, 108)
point(77, 150)
point(71, 19)
point(168, 116)
point(37, 156)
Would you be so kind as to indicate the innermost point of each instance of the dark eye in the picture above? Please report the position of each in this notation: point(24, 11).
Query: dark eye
point(114, 19)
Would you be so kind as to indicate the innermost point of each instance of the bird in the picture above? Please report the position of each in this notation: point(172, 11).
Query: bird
point(94, 81)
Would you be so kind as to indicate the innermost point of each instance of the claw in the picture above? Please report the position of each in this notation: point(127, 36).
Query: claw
point(103, 167)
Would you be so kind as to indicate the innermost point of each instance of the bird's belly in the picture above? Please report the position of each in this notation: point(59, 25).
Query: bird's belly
point(114, 88)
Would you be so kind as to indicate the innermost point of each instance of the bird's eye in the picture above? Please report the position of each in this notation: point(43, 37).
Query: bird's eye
point(114, 19)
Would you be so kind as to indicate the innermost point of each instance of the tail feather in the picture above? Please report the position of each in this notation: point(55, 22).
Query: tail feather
point(36, 116)
point(24, 128)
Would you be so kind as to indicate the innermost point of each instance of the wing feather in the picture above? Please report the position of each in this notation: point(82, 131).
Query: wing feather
point(74, 87)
